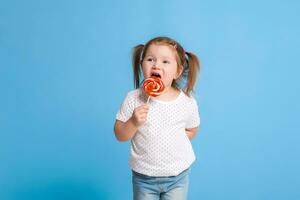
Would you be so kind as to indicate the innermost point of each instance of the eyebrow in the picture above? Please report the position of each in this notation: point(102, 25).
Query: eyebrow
point(164, 57)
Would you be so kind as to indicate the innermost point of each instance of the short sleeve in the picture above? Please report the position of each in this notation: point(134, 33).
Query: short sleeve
point(194, 118)
point(126, 109)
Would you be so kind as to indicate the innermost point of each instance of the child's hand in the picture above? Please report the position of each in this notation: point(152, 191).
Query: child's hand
point(139, 115)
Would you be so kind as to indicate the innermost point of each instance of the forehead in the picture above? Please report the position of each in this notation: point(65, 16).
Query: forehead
point(162, 50)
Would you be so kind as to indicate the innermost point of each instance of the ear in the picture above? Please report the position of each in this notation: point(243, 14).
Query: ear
point(179, 71)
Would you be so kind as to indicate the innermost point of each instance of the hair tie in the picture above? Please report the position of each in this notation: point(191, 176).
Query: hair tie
point(185, 52)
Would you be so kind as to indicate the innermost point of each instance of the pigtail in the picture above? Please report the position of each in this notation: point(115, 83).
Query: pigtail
point(193, 67)
point(136, 61)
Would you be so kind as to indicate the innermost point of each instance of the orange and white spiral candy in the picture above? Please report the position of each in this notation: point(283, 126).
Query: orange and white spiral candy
point(153, 86)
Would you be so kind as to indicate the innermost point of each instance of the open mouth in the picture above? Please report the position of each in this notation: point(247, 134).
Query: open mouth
point(155, 74)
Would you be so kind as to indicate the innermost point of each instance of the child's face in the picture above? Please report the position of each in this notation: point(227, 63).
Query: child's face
point(160, 60)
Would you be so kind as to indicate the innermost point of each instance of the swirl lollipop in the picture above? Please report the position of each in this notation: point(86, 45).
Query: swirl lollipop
point(153, 86)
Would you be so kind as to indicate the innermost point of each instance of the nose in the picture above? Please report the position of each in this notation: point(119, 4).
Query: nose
point(155, 65)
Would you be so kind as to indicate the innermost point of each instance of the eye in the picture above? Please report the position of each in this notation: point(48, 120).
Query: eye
point(150, 59)
point(166, 62)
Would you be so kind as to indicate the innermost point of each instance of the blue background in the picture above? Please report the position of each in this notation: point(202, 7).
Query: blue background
point(65, 68)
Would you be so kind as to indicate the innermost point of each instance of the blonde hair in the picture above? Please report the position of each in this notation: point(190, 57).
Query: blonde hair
point(187, 61)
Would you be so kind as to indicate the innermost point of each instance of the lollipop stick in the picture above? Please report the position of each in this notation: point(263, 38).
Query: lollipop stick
point(148, 99)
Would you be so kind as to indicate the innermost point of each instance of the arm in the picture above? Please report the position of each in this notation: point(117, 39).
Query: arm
point(125, 130)
point(191, 132)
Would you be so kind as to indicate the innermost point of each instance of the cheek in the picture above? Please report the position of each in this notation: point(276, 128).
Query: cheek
point(173, 73)
point(145, 71)
point(170, 75)
point(143, 67)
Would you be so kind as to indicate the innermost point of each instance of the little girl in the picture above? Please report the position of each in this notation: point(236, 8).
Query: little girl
point(160, 131)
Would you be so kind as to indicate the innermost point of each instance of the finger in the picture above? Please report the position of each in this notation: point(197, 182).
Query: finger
point(144, 113)
point(143, 119)
point(144, 106)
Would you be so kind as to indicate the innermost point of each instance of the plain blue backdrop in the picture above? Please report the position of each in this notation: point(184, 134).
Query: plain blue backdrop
point(65, 68)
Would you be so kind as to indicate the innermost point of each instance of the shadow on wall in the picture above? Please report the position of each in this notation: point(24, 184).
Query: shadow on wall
point(60, 189)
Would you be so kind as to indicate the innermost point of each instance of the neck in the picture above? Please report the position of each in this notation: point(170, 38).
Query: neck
point(169, 94)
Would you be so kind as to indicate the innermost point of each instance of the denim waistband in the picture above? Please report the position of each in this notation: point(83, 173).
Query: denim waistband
point(146, 176)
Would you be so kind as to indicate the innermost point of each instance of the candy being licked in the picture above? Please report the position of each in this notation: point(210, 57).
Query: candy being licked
point(153, 86)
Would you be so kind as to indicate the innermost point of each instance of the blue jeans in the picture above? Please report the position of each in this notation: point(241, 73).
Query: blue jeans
point(160, 188)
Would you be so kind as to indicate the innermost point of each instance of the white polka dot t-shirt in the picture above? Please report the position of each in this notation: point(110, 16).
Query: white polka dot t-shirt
point(161, 147)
